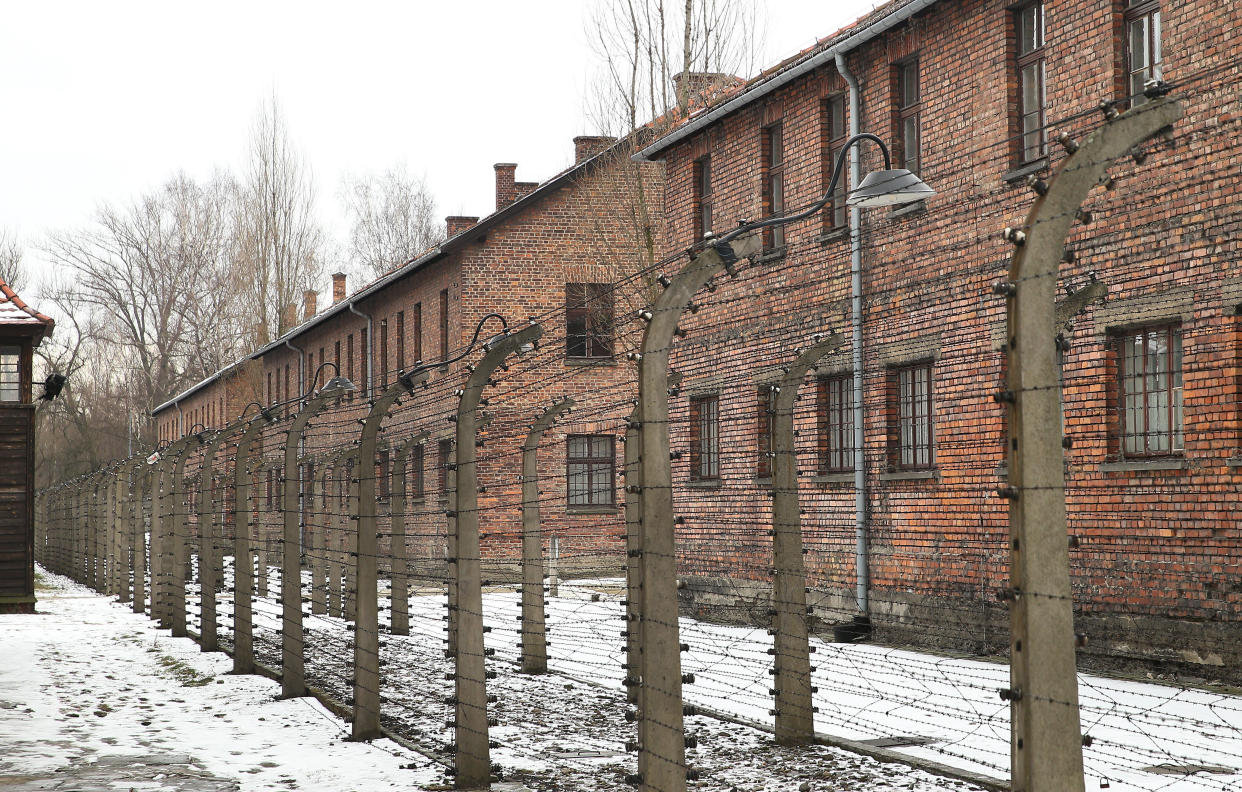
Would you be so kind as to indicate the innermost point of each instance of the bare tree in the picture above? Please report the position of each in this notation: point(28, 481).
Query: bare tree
point(11, 270)
point(393, 219)
point(280, 245)
point(146, 281)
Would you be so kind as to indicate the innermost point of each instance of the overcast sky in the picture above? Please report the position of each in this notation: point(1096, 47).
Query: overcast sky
point(102, 101)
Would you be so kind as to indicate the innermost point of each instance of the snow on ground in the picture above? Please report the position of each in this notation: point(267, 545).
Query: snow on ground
point(94, 697)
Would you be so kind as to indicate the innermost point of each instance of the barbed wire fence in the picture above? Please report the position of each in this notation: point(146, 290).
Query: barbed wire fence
point(507, 631)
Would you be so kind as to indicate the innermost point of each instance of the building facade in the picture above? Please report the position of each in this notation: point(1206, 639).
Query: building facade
point(973, 96)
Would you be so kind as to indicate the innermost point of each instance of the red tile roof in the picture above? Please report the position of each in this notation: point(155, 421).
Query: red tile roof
point(15, 311)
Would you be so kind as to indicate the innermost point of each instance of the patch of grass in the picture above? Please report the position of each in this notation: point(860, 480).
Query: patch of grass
point(183, 673)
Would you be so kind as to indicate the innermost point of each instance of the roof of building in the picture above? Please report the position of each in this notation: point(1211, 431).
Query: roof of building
point(450, 245)
point(731, 98)
point(15, 312)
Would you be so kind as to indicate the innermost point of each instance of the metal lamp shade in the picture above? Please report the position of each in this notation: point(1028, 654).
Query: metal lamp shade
point(889, 188)
point(337, 386)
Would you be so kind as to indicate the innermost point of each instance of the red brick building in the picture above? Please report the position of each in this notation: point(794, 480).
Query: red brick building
point(972, 95)
point(550, 251)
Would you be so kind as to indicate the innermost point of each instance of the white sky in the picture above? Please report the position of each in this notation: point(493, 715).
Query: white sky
point(103, 101)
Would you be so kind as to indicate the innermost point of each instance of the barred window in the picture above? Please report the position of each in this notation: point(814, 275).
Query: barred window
point(909, 103)
point(590, 468)
point(1150, 371)
point(444, 454)
point(834, 138)
point(836, 423)
point(914, 417)
point(417, 480)
point(765, 408)
point(704, 438)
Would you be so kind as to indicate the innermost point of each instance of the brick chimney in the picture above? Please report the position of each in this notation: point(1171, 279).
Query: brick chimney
point(455, 224)
point(506, 191)
point(587, 146)
point(289, 316)
point(522, 189)
point(338, 287)
point(309, 298)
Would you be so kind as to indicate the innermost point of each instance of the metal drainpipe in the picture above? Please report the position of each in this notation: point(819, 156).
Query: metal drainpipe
point(370, 357)
point(861, 560)
point(180, 420)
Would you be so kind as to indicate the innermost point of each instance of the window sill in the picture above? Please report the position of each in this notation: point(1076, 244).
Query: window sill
point(771, 256)
point(570, 510)
point(590, 361)
point(1133, 466)
point(704, 483)
point(833, 478)
point(832, 236)
point(909, 210)
point(911, 475)
point(1018, 174)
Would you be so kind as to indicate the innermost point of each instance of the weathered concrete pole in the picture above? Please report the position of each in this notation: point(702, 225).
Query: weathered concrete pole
point(209, 551)
point(661, 732)
point(142, 483)
point(366, 621)
point(178, 548)
point(633, 561)
point(243, 559)
point(473, 757)
point(292, 674)
point(534, 627)
point(318, 548)
point(1046, 739)
point(399, 615)
point(794, 711)
point(336, 555)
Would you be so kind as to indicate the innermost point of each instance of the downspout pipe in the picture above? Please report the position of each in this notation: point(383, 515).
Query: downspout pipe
point(180, 420)
point(370, 341)
point(861, 559)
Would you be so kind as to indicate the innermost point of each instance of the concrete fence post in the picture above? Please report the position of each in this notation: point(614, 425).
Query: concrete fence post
point(178, 548)
point(661, 731)
point(366, 621)
point(318, 547)
point(349, 531)
point(534, 628)
point(1046, 739)
point(633, 563)
point(473, 759)
point(142, 478)
point(794, 711)
point(399, 614)
point(210, 563)
point(243, 558)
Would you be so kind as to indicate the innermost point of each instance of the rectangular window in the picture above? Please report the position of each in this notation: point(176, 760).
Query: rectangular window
point(1150, 372)
point(10, 373)
point(349, 359)
point(288, 387)
point(418, 483)
point(383, 353)
point(1143, 49)
point(444, 325)
point(416, 340)
point(908, 103)
point(834, 138)
point(588, 320)
point(590, 462)
point(914, 417)
point(400, 361)
point(337, 359)
point(364, 357)
point(1029, 26)
point(765, 407)
point(271, 398)
point(381, 475)
point(310, 373)
point(702, 197)
point(773, 166)
point(704, 438)
point(835, 397)
point(444, 456)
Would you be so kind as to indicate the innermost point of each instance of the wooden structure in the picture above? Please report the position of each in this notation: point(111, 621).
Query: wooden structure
point(21, 330)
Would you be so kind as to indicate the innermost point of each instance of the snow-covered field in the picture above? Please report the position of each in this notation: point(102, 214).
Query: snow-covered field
point(557, 730)
point(94, 697)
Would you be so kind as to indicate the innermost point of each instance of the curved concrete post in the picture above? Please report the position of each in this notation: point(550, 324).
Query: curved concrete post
point(142, 480)
point(661, 731)
point(366, 616)
point(112, 584)
point(1046, 741)
point(473, 760)
point(633, 562)
point(794, 712)
point(97, 526)
point(292, 674)
point(243, 563)
point(164, 556)
point(534, 627)
point(399, 614)
point(210, 563)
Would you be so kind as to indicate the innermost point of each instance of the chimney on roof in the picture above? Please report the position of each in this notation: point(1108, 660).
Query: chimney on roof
point(309, 298)
point(587, 146)
point(288, 317)
point(506, 190)
point(338, 287)
point(455, 224)
point(522, 189)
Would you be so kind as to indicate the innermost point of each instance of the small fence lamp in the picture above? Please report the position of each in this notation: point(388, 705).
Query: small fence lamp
point(333, 388)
